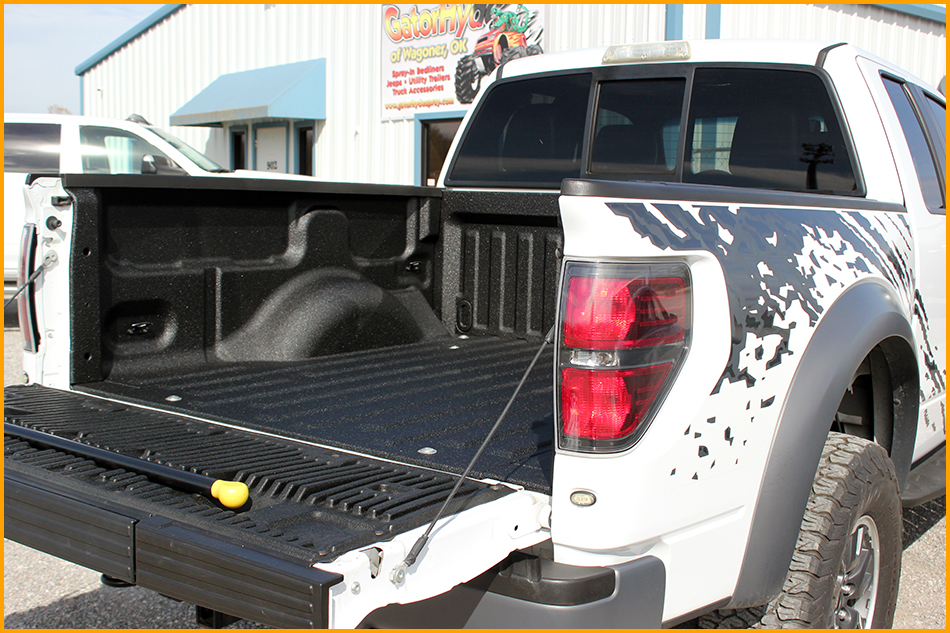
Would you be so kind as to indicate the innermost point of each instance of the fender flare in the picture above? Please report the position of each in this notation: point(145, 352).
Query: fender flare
point(813, 398)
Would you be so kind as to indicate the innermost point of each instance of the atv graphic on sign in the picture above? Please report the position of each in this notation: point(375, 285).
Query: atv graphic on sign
point(510, 36)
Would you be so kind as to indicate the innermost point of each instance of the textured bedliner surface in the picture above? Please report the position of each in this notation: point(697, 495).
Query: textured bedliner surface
point(391, 403)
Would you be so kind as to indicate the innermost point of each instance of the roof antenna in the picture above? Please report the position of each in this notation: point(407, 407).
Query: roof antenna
point(398, 574)
point(137, 118)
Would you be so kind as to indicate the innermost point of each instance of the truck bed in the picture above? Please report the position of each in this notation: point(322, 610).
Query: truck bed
point(390, 403)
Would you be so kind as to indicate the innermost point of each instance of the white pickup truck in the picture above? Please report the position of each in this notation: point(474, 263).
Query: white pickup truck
point(36, 144)
point(724, 261)
point(64, 144)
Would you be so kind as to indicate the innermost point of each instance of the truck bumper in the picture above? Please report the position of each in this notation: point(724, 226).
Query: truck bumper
point(175, 560)
point(629, 595)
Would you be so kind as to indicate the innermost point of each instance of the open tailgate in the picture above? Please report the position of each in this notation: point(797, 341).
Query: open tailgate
point(314, 547)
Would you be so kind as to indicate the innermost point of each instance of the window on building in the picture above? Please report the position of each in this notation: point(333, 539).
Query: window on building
point(238, 149)
point(107, 150)
point(305, 150)
point(31, 148)
point(920, 150)
point(437, 136)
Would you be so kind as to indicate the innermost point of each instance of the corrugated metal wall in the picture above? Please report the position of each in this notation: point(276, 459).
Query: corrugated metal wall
point(913, 43)
point(158, 72)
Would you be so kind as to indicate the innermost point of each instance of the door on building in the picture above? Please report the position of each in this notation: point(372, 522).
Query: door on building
point(437, 135)
point(271, 149)
point(239, 149)
point(305, 150)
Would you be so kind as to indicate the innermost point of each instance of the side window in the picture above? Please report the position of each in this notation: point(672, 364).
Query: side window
point(637, 127)
point(31, 148)
point(110, 151)
point(939, 112)
point(526, 133)
point(765, 128)
point(931, 185)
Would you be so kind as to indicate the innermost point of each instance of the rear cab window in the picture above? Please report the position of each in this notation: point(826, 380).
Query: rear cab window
point(763, 127)
point(527, 132)
point(31, 148)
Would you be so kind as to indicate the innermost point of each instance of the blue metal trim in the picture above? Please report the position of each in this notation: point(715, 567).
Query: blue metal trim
point(287, 91)
point(128, 36)
point(418, 118)
point(674, 22)
point(932, 12)
point(713, 21)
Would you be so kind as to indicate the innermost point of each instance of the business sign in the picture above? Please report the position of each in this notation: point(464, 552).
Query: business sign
point(435, 56)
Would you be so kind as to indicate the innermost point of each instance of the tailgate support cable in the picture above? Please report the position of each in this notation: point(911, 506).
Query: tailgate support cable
point(398, 574)
point(48, 261)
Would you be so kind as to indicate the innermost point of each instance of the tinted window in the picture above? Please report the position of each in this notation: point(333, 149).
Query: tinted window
point(927, 172)
point(771, 129)
point(637, 127)
point(110, 151)
point(31, 148)
point(939, 111)
point(526, 132)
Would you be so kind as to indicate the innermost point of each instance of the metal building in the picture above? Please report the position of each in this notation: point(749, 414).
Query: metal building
point(374, 93)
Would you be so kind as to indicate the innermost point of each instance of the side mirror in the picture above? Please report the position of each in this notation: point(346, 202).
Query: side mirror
point(148, 165)
point(161, 165)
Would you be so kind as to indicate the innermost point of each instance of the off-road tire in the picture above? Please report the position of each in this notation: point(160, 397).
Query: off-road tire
point(533, 49)
point(467, 79)
point(855, 488)
point(514, 52)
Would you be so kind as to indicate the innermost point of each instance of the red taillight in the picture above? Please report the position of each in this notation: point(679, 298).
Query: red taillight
point(625, 332)
point(608, 313)
point(26, 311)
point(608, 405)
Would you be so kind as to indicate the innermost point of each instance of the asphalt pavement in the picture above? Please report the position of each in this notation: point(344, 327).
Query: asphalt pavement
point(40, 591)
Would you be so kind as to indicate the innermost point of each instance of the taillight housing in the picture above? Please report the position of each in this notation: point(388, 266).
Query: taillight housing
point(624, 332)
point(26, 308)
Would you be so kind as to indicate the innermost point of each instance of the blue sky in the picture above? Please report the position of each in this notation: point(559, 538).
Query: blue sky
point(43, 44)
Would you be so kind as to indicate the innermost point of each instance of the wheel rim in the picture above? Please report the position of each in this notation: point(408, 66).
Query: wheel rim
point(856, 586)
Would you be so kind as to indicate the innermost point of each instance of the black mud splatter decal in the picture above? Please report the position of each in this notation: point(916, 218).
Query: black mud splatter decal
point(745, 238)
point(783, 268)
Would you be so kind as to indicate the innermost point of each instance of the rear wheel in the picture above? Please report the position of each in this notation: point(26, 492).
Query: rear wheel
point(846, 566)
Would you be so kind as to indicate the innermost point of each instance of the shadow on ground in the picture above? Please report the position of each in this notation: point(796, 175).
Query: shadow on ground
point(112, 608)
point(920, 519)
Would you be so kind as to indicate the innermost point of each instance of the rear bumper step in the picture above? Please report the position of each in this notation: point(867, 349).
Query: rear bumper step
point(176, 560)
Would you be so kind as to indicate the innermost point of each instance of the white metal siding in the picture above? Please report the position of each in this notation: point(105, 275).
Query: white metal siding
point(159, 71)
point(913, 43)
point(571, 26)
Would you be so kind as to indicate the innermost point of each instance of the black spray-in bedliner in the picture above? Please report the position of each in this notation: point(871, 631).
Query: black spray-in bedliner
point(391, 403)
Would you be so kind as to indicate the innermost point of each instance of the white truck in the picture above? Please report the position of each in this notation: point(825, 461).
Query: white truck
point(67, 144)
point(668, 339)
